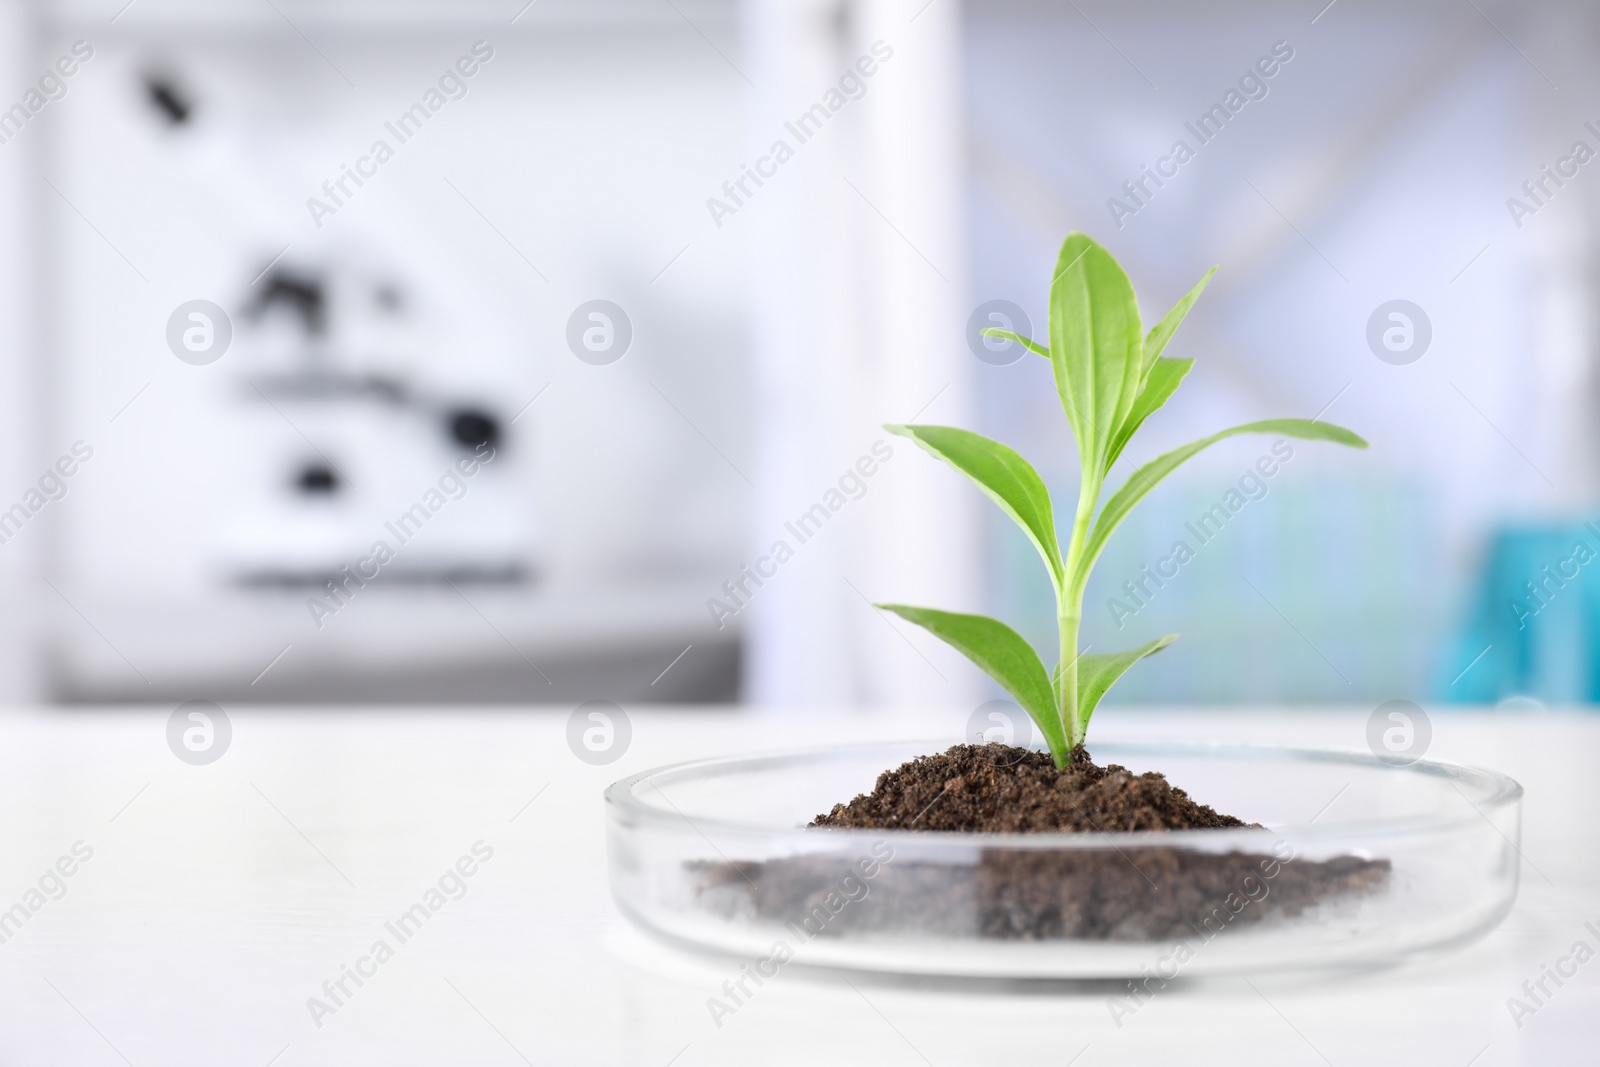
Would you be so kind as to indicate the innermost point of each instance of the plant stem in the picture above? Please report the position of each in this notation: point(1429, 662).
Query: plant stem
point(1069, 613)
point(1067, 697)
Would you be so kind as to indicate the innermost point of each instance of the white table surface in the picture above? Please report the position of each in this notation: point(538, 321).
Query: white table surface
point(219, 898)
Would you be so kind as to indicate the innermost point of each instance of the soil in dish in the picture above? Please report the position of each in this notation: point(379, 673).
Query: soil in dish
point(999, 789)
point(1122, 892)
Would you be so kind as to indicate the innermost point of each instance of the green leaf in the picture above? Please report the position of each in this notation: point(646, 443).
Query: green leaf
point(1161, 381)
point(1003, 655)
point(1026, 342)
point(1004, 476)
point(1162, 331)
point(1096, 345)
point(1150, 475)
point(1097, 673)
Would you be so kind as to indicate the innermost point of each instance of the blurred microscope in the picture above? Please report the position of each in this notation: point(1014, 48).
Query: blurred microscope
point(360, 500)
point(362, 454)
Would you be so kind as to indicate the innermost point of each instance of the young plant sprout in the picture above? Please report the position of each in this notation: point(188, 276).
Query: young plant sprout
point(1111, 376)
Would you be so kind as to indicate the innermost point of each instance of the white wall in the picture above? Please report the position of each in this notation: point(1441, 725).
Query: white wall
point(861, 281)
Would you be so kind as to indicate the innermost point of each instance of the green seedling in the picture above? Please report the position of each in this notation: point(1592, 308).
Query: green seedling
point(1111, 376)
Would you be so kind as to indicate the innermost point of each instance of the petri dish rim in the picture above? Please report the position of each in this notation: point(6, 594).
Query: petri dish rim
point(1494, 791)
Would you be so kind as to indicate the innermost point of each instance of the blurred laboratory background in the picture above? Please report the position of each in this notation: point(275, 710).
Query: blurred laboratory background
point(497, 351)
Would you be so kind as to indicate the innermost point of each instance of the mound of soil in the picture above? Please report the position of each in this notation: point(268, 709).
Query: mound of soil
point(999, 789)
point(1120, 893)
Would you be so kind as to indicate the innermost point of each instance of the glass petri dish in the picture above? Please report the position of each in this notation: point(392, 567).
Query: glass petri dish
point(1355, 862)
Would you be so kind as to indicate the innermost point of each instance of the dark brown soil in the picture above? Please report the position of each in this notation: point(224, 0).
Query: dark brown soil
point(1122, 893)
point(1000, 789)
